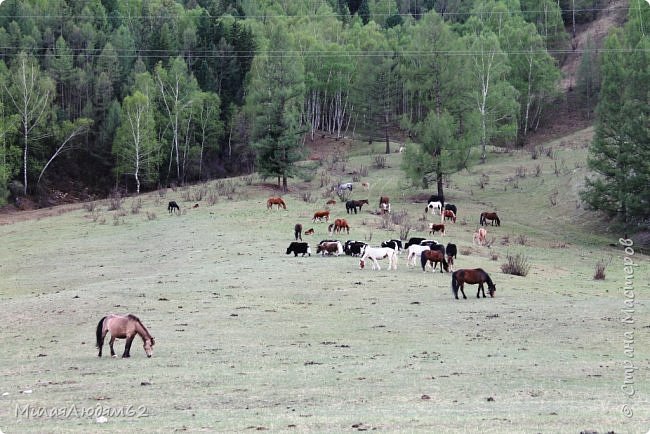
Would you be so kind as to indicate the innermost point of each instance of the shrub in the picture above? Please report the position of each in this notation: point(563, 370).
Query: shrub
point(136, 205)
point(380, 161)
point(599, 273)
point(517, 265)
point(151, 215)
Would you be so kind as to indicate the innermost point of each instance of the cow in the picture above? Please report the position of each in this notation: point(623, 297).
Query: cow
point(321, 215)
point(412, 241)
point(299, 247)
point(353, 248)
point(433, 228)
point(393, 244)
point(330, 247)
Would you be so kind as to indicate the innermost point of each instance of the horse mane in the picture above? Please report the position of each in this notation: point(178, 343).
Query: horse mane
point(487, 278)
point(135, 318)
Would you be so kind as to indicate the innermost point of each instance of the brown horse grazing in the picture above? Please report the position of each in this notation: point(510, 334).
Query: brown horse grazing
point(297, 231)
point(275, 201)
point(433, 257)
point(123, 327)
point(321, 215)
point(449, 215)
point(338, 226)
point(492, 216)
point(472, 276)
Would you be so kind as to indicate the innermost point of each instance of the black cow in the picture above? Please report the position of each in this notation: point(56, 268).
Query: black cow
point(413, 241)
point(393, 244)
point(173, 206)
point(353, 248)
point(429, 243)
point(297, 247)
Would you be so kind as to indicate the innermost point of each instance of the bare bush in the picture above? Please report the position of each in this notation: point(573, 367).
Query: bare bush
point(534, 153)
point(505, 240)
point(363, 170)
point(199, 194)
point(343, 194)
point(494, 256)
point(559, 245)
point(521, 171)
point(483, 181)
point(404, 232)
point(399, 217)
point(516, 265)
point(599, 271)
point(325, 180)
point(522, 239)
point(306, 196)
point(151, 215)
point(380, 162)
point(136, 205)
point(248, 179)
point(386, 223)
point(186, 195)
point(90, 206)
point(552, 198)
point(466, 251)
point(212, 198)
point(226, 187)
point(115, 201)
point(538, 170)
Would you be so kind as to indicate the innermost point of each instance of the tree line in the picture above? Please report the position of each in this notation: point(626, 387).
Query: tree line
point(146, 93)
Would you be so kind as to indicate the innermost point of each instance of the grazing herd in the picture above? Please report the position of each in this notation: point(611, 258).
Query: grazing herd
point(431, 253)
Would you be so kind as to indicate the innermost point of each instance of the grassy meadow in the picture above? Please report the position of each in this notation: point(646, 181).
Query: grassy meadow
point(251, 339)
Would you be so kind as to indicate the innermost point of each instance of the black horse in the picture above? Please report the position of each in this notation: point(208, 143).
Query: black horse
point(173, 206)
point(472, 276)
point(354, 204)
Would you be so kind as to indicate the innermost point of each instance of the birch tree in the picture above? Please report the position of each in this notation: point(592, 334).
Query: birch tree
point(495, 98)
point(31, 93)
point(135, 148)
point(177, 90)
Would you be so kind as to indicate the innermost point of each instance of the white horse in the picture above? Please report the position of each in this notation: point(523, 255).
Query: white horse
point(414, 252)
point(374, 253)
point(434, 207)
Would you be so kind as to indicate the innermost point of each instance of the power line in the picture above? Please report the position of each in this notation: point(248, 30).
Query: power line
point(206, 54)
point(266, 16)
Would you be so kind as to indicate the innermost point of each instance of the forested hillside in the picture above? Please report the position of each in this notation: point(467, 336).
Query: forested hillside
point(109, 95)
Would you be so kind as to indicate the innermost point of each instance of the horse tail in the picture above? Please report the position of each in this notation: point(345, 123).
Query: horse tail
point(423, 261)
point(454, 284)
point(100, 327)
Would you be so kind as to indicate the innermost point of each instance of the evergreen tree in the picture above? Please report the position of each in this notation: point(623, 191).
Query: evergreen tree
point(275, 98)
point(619, 153)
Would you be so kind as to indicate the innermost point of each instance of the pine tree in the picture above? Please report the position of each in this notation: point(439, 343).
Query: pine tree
point(619, 153)
point(274, 103)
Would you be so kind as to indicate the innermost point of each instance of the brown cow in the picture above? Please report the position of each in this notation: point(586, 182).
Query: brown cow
point(320, 215)
point(433, 228)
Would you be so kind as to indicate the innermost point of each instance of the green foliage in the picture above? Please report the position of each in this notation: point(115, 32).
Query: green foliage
point(619, 153)
point(274, 105)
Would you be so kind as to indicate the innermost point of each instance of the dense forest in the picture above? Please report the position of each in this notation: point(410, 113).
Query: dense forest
point(102, 95)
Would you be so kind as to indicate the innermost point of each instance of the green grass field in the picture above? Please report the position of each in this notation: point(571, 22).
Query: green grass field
point(249, 339)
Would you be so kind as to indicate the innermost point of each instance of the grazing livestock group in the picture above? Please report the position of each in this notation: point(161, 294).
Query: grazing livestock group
point(430, 252)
